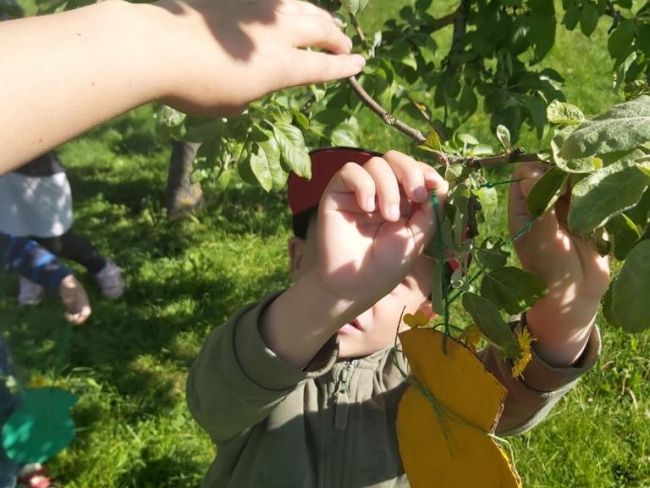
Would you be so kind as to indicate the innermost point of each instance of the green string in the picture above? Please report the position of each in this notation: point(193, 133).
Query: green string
point(490, 184)
point(435, 203)
point(63, 348)
point(447, 299)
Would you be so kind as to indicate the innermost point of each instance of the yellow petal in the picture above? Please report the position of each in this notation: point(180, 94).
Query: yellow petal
point(417, 320)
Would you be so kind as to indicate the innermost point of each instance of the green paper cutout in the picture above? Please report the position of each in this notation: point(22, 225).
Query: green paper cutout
point(42, 427)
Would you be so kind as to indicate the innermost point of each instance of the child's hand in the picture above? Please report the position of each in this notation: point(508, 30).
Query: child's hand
point(374, 222)
point(75, 300)
point(576, 275)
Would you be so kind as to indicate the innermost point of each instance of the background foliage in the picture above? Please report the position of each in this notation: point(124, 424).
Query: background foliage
point(128, 365)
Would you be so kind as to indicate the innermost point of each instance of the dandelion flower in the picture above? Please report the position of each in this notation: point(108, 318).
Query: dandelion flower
point(471, 336)
point(524, 341)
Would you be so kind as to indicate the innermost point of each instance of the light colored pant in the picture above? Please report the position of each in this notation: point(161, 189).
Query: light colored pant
point(9, 403)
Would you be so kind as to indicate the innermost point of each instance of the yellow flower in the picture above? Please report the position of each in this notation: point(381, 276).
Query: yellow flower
point(524, 341)
point(471, 336)
point(417, 320)
point(39, 382)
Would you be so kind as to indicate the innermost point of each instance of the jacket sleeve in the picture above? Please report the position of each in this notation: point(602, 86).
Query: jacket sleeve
point(531, 398)
point(236, 381)
point(32, 261)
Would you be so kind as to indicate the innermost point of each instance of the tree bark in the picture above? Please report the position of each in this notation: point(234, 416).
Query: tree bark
point(182, 196)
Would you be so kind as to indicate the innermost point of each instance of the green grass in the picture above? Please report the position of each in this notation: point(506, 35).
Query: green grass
point(128, 364)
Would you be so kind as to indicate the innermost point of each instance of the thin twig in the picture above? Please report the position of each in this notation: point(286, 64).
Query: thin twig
point(358, 29)
point(383, 114)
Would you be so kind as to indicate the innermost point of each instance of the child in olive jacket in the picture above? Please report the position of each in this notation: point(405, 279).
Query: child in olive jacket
point(300, 389)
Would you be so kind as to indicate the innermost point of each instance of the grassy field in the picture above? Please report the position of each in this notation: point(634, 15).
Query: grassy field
point(128, 364)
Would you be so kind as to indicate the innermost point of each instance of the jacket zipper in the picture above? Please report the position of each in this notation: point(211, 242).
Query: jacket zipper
point(340, 394)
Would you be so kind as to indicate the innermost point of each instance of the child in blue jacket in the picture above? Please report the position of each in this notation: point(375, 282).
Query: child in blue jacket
point(39, 265)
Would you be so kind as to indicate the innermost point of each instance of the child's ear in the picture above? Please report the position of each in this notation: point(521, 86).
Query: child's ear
point(296, 249)
point(427, 309)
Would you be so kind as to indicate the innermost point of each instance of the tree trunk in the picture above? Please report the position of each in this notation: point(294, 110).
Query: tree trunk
point(182, 197)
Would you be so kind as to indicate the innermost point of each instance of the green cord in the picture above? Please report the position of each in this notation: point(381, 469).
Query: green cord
point(435, 203)
point(63, 348)
point(490, 184)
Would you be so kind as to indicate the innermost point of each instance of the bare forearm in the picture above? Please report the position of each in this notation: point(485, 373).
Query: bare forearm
point(562, 324)
point(299, 322)
point(112, 70)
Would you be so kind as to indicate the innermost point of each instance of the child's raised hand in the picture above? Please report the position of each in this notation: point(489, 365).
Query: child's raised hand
point(374, 222)
point(576, 275)
point(75, 300)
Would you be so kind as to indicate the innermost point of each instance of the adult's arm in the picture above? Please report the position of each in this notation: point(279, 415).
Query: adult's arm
point(64, 73)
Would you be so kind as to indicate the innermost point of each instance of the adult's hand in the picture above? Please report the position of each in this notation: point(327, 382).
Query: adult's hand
point(67, 72)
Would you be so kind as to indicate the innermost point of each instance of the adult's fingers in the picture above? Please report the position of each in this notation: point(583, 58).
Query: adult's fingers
point(315, 31)
point(308, 68)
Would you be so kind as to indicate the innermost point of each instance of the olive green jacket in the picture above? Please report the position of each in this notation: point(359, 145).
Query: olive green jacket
point(333, 425)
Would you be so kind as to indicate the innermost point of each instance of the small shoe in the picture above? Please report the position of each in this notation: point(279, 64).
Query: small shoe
point(34, 476)
point(110, 281)
point(30, 293)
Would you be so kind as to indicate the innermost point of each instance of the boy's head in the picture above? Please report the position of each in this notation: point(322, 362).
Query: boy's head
point(375, 328)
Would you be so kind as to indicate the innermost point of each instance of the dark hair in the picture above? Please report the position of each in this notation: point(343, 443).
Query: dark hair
point(300, 222)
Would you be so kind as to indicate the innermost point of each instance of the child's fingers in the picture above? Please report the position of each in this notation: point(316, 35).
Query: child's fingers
point(352, 178)
point(518, 215)
point(80, 316)
point(388, 188)
point(413, 176)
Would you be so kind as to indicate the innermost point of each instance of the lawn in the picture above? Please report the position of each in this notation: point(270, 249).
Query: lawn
point(128, 364)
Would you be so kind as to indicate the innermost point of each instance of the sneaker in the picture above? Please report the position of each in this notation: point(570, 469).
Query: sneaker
point(30, 293)
point(110, 281)
point(34, 476)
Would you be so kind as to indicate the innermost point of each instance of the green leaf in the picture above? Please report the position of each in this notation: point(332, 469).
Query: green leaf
point(572, 17)
point(623, 235)
point(564, 113)
point(606, 304)
point(589, 18)
point(265, 163)
point(467, 139)
point(345, 135)
point(503, 134)
point(355, 6)
point(488, 319)
point(620, 41)
point(623, 127)
point(541, 34)
point(201, 130)
point(631, 290)
point(490, 254)
point(433, 141)
point(603, 194)
point(293, 149)
point(643, 38)
point(42, 427)
point(640, 213)
point(512, 289)
point(546, 191)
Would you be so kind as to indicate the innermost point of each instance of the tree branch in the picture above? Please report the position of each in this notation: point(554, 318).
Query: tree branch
point(383, 114)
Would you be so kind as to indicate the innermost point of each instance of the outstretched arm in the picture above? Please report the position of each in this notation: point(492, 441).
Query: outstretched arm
point(576, 275)
point(37, 264)
point(68, 72)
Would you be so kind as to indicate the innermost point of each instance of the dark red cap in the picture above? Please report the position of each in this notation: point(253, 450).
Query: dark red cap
point(303, 193)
